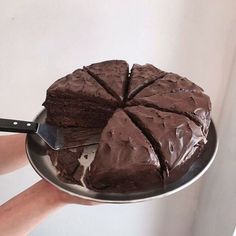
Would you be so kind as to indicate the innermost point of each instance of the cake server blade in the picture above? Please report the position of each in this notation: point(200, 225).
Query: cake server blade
point(56, 137)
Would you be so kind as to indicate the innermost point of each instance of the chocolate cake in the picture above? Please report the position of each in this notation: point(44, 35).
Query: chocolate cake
point(78, 100)
point(153, 125)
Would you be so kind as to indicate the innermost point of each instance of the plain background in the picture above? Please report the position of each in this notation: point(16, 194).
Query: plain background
point(40, 41)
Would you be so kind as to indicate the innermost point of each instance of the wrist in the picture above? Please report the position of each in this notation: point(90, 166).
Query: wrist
point(55, 194)
point(60, 198)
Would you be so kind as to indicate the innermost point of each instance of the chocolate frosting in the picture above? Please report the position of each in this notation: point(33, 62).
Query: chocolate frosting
point(195, 105)
point(112, 75)
point(141, 76)
point(177, 136)
point(79, 84)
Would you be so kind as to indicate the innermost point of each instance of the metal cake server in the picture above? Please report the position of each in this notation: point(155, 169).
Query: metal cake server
point(54, 136)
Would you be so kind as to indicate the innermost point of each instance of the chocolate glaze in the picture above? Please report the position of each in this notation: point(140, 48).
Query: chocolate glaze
point(195, 105)
point(141, 76)
point(125, 160)
point(178, 137)
point(112, 75)
point(79, 84)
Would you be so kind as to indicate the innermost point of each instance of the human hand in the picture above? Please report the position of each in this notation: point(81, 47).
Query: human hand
point(40, 200)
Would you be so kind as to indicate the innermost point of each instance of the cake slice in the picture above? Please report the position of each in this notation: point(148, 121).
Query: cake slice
point(125, 160)
point(175, 137)
point(112, 75)
point(78, 100)
point(196, 106)
point(141, 76)
point(170, 83)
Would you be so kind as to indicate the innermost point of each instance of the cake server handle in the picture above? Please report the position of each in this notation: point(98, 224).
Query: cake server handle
point(18, 126)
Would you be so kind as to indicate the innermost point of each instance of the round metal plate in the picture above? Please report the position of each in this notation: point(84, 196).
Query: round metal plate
point(36, 151)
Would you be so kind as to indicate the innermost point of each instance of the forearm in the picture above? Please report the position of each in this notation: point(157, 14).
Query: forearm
point(22, 213)
point(12, 152)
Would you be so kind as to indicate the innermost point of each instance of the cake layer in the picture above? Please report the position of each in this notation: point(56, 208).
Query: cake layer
point(81, 101)
point(177, 137)
point(141, 76)
point(68, 106)
point(194, 105)
point(83, 119)
point(112, 75)
point(74, 94)
point(125, 160)
point(76, 109)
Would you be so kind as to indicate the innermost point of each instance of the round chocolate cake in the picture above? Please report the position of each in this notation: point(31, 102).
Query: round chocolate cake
point(153, 124)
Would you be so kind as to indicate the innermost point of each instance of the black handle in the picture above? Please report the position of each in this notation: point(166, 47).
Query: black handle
point(18, 126)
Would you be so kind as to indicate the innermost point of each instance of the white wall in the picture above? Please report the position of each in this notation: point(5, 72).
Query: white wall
point(41, 41)
point(216, 213)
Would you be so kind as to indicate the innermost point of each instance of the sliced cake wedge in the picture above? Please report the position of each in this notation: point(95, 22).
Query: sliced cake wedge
point(125, 161)
point(175, 138)
point(112, 75)
point(78, 100)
